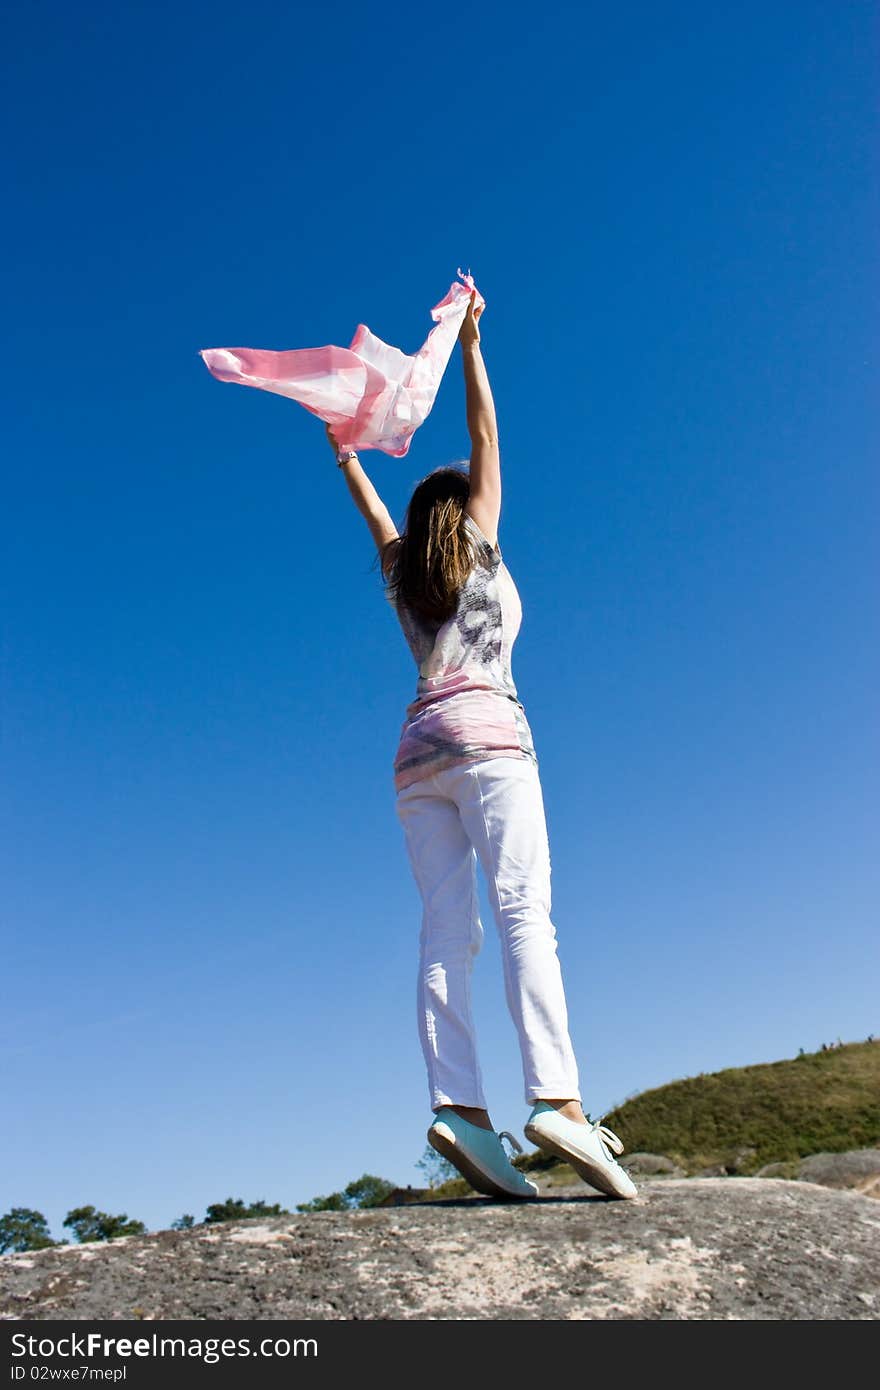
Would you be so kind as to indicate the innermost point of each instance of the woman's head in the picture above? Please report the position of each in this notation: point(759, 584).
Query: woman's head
point(430, 561)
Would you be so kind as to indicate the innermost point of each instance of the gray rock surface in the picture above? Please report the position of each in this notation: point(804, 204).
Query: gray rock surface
point(652, 1165)
point(859, 1168)
point(729, 1248)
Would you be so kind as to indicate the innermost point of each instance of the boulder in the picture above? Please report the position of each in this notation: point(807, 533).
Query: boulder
point(852, 1169)
point(651, 1165)
point(684, 1249)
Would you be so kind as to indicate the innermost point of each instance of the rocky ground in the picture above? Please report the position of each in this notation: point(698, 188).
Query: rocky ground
point(686, 1248)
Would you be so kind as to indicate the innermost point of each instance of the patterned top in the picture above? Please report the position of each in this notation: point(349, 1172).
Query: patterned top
point(466, 705)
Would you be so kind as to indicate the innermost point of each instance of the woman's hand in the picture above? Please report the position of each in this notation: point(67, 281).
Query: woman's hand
point(469, 333)
point(333, 445)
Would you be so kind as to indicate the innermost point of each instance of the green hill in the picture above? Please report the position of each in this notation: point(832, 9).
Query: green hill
point(820, 1102)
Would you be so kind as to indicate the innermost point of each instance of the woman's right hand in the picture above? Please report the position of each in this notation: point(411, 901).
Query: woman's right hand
point(469, 333)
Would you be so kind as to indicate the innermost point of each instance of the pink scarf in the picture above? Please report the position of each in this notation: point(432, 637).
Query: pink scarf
point(373, 395)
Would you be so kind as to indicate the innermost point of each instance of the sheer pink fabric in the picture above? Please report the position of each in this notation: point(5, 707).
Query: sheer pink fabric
point(374, 395)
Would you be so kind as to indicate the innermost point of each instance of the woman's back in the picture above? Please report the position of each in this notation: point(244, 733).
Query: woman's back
point(466, 706)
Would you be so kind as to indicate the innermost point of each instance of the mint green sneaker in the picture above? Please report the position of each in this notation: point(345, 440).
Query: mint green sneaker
point(588, 1148)
point(479, 1155)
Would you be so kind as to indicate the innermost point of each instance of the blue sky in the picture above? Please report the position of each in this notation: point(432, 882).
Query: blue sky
point(211, 926)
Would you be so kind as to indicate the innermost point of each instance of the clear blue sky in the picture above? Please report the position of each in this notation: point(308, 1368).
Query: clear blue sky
point(211, 926)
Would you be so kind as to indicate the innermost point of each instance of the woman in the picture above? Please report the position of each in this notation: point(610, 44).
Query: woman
point(467, 784)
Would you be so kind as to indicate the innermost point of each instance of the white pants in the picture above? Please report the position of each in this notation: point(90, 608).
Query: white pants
point(493, 810)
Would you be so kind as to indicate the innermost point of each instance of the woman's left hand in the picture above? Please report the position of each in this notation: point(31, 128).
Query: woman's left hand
point(469, 333)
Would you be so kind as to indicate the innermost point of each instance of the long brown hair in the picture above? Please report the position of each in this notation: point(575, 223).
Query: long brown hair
point(426, 566)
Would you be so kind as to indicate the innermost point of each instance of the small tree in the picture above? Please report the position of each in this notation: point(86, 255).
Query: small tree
point(337, 1201)
point(365, 1191)
point(234, 1209)
point(88, 1225)
point(183, 1223)
point(24, 1229)
point(368, 1190)
point(436, 1169)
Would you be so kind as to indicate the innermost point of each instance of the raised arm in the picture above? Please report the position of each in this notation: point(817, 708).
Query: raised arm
point(484, 503)
point(367, 499)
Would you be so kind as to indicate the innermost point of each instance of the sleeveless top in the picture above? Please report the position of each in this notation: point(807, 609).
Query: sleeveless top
point(466, 706)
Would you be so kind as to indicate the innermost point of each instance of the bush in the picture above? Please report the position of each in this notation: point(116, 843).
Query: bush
point(234, 1209)
point(23, 1229)
point(89, 1225)
point(365, 1191)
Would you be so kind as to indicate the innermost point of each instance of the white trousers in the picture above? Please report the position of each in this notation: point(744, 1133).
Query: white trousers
point(492, 810)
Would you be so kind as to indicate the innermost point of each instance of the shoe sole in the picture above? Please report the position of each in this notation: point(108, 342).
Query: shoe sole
point(478, 1178)
point(591, 1173)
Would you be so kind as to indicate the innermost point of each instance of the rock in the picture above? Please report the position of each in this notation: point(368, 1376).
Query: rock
point(686, 1248)
point(652, 1165)
point(858, 1169)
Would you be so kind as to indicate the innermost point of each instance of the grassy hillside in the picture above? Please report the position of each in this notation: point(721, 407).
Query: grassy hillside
point(822, 1102)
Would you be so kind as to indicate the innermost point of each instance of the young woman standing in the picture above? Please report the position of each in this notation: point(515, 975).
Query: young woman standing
point(467, 785)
